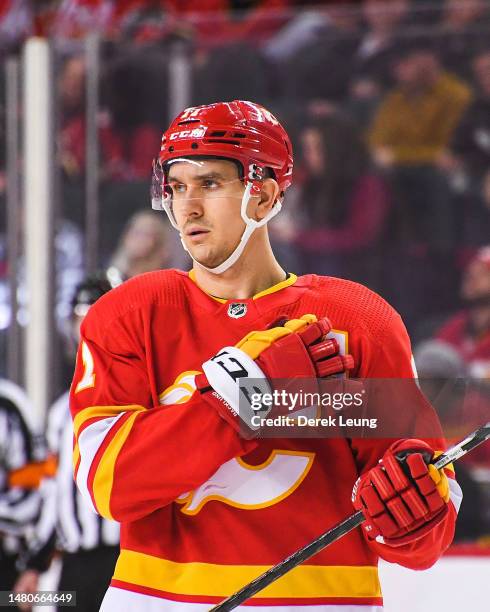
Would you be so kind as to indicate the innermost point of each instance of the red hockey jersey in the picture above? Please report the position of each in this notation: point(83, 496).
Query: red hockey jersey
point(202, 510)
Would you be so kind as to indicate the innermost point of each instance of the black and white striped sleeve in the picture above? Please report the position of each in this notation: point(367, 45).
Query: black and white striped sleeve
point(21, 444)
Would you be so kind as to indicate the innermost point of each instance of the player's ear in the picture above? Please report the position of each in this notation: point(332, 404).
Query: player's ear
point(269, 194)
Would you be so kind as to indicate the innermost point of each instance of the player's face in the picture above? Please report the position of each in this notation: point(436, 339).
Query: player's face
point(206, 202)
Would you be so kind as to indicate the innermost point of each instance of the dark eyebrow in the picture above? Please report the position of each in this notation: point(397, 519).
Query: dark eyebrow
point(198, 177)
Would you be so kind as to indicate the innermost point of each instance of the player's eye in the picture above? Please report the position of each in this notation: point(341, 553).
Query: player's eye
point(210, 184)
point(177, 187)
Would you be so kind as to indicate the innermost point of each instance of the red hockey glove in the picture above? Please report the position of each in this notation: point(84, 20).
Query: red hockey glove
point(296, 349)
point(403, 497)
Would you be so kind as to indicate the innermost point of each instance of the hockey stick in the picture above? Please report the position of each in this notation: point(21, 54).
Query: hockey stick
point(333, 534)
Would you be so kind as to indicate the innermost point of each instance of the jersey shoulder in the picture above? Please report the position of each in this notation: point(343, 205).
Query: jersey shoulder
point(158, 288)
point(351, 304)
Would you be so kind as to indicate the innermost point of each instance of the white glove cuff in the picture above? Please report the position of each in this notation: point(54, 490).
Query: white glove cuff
point(226, 370)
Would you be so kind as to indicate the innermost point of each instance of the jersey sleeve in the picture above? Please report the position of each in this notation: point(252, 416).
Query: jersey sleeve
point(389, 357)
point(132, 457)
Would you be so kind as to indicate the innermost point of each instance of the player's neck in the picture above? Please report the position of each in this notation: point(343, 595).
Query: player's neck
point(250, 275)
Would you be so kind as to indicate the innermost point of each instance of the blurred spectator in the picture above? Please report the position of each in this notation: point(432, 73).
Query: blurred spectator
point(416, 119)
point(75, 19)
point(70, 21)
point(321, 70)
point(470, 144)
point(3, 140)
point(409, 134)
point(238, 74)
point(88, 542)
point(467, 162)
point(69, 262)
point(305, 27)
point(221, 22)
point(22, 467)
point(462, 408)
point(144, 21)
point(71, 90)
point(441, 373)
point(209, 23)
point(438, 359)
point(462, 403)
point(463, 29)
point(342, 201)
point(144, 246)
point(469, 330)
point(374, 55)
point(16, 22)
point(135, 93)
point(69, 265)
point(129, 129)
point(384, 21)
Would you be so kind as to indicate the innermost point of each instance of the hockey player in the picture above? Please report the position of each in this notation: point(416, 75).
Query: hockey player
point(154, 399)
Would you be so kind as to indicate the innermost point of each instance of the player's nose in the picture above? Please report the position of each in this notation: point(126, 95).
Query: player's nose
point(191, 204)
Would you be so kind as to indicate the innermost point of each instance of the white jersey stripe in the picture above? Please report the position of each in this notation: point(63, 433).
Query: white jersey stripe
point(455, 493)
point(128, 601)
point(89, 443)
point(64, 510)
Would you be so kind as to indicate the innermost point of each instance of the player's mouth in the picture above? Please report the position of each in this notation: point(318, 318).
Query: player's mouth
point(196, 233)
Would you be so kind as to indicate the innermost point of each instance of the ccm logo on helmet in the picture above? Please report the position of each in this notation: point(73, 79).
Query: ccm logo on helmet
point(196, 133)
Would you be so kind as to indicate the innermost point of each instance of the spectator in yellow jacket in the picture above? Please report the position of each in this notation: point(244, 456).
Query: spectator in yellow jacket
point(415, 121)
point(409, 134)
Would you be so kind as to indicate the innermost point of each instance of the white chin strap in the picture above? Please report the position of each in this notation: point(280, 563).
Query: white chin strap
point(250, 226)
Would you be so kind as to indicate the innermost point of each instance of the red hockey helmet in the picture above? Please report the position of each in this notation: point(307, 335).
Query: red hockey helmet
point(238, 130)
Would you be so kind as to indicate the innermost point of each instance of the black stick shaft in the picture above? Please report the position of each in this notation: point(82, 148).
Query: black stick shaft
point(333, 534)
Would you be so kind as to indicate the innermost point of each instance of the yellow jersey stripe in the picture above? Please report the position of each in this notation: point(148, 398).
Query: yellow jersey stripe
point(292, 278)
point(101, 411)
point(222, 580)
point(76, 457)
point(104, 476)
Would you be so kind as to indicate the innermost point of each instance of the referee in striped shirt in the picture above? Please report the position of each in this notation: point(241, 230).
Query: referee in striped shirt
point(22, 467)
point(89, 544)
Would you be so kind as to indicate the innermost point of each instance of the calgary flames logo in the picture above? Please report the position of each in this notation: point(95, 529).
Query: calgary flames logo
point(237, 483)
